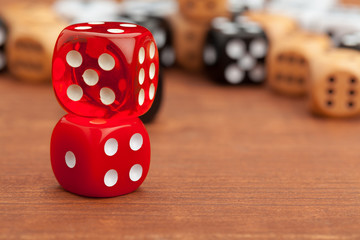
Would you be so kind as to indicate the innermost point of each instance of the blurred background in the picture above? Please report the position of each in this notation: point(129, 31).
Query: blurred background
point(234, 42)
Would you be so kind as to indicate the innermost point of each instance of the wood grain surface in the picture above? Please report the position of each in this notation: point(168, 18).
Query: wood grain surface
point(227, 163)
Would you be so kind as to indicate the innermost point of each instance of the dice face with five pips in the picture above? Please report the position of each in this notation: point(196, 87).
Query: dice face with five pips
point(235, 52)
point(105, 74)
point(105, 69)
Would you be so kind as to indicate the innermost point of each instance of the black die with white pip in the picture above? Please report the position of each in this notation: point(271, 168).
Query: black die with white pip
point(235, 52)
point(351, 41)
point(3, 37)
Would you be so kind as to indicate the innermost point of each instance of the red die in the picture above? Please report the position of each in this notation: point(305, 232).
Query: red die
point(102, 69)
point(100, 157)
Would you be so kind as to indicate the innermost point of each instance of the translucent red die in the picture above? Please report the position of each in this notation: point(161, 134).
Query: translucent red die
point(100, 157)
point(102, 69)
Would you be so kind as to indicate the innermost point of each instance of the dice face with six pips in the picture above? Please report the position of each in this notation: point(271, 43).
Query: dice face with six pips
point(335, 87)
point(105, 74)
point(102, 69)
point(235, 52)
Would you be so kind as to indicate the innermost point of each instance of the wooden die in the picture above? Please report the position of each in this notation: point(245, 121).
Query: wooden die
point(189, 40)
point(289, 61)
point(29, 52)
point(275, 26)
point(33, 30)
point(203, 10)
point(335, 85)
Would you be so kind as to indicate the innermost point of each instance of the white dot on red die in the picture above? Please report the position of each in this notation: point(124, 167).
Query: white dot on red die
point(115, 30)
point(152, 91)
point(141, 55)
point(106, 62)
point(127, 25)
point(74, 59)
point(107, 96)
point(135, 172)
point(141, 97)
point(90, 77)
point(141, 76)
point(111, 147)
point(70, 159)
point(110, 178)
point(83, 28)
point(136, 141)
point(96, 23)
point(74, 92)
point(152, 71)
point(152, 50)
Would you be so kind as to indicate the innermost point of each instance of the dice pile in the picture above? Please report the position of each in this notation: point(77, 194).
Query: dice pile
point(105, 75)
point(304, 63)
point(235, 41)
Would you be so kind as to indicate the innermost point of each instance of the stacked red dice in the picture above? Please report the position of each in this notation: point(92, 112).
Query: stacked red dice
point(105, 75)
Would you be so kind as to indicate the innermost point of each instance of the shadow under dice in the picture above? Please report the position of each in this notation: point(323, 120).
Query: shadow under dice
point(105, 69)
point(98, 157)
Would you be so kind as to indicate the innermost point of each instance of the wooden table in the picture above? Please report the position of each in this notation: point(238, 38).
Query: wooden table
point(227, 163)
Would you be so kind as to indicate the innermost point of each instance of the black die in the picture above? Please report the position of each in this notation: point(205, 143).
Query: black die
point(3, 38)
point(235, 52)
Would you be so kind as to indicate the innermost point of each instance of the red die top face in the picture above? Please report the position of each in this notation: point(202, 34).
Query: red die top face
point(105, 69)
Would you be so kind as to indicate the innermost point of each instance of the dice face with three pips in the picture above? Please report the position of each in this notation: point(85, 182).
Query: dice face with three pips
point(105, 74)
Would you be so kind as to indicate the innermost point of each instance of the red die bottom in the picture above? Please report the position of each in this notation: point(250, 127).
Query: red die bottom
point(100, 157)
